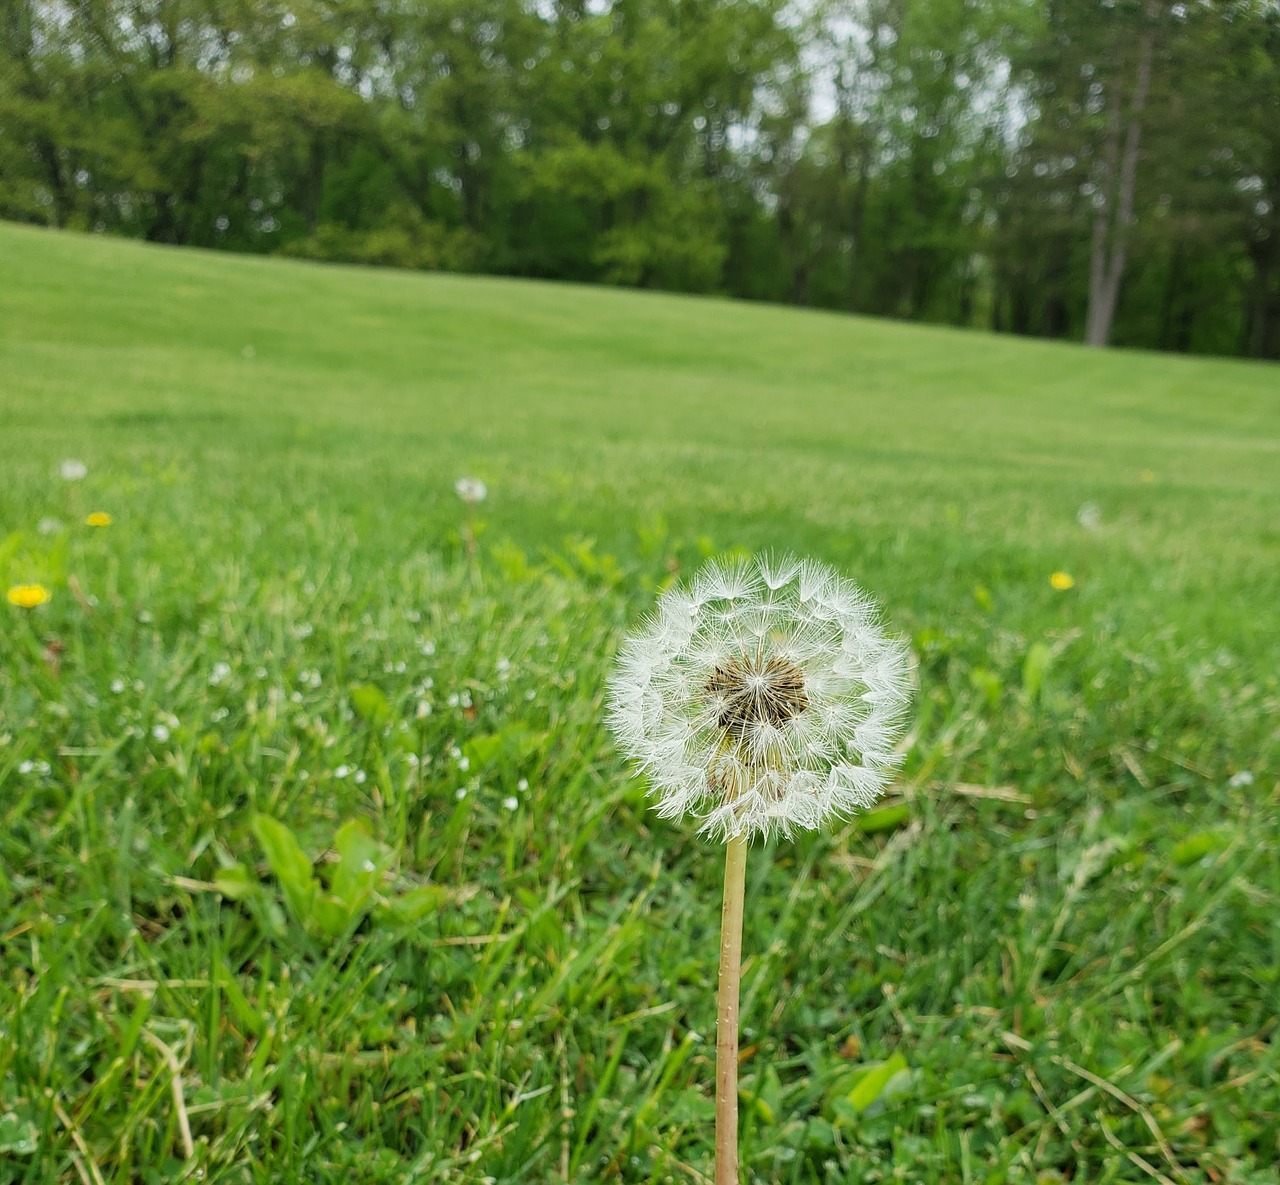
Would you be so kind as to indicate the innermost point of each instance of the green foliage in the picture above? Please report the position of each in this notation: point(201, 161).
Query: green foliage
point(940, 160)
point(1052, 951)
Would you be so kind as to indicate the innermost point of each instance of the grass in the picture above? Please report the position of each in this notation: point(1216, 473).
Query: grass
point(317, 865)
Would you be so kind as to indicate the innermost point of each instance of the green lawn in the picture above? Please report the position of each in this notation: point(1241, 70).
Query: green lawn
point(1055, 957)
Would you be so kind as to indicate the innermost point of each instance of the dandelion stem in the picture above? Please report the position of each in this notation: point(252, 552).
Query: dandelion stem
point(735, 879)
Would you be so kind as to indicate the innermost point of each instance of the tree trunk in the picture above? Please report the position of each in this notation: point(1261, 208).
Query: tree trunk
point(1114, 216)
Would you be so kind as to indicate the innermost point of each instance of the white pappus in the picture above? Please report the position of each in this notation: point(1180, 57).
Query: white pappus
point(762, 697)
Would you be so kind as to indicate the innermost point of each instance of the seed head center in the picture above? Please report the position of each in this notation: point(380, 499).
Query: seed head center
point(749, 691)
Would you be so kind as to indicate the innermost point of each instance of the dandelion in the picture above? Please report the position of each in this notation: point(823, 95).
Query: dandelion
point(28, 596)
point(471, 490)
point(160, 732)
point(762, 698)
point(99, 518)
point(1062, 581)
point(1089, 516)
point(49, 525)
point(73, 470)
point(511, 802)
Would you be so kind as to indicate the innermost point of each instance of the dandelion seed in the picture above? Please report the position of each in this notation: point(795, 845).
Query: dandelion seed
point(460, 793)
point(220, 673)
point(511, 802)
point(160, 732)
point(99, 518)
point(522, 785)
point(1242, 778)
point(360, 777)
point(117, 686)
point(50, 526)
point(464, 764)
point(28, 596)
point(471, 490)
point(764, 700)
point(342, 771)
point(1062, 581)
point(423, 709)
point(73, 470)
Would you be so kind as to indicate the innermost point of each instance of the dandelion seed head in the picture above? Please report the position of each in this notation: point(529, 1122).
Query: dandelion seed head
point(471, 490)
point(1089, 516)
point(73, 470)
point(763, 698)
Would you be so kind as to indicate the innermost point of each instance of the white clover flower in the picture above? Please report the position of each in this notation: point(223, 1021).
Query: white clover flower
point(471, 490)
point(762, 698)
point(73, 470)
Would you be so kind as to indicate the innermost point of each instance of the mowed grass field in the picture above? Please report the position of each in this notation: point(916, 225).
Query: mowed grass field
point(318, 865)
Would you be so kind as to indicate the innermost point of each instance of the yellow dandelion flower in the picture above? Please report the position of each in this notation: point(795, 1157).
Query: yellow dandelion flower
point(99, 518)
point(28, 596)
point(1062, 581)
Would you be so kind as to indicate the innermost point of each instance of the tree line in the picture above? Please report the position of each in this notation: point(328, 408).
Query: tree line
point(1098, 170)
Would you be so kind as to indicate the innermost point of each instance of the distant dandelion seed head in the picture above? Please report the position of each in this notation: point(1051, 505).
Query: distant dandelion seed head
point(1089, 516)
point(471, 490)
point(73, 470)
point(763, 697)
